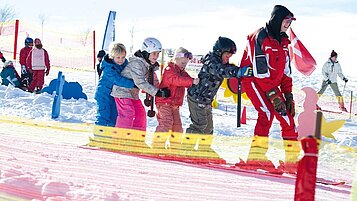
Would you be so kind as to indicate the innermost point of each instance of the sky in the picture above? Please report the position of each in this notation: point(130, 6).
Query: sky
point(322, 26)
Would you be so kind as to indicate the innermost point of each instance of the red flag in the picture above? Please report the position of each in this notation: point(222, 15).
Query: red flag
point(300, 56)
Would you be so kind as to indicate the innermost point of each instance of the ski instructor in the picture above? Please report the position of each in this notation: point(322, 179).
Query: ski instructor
point(270, 89)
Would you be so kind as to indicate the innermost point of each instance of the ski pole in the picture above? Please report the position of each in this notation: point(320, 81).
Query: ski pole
point(344, 87)
point(239, 102)
point(151, 112)
point(351, 104)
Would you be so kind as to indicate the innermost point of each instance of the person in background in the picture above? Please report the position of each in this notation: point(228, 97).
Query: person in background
point(9, 75)
point(330, 70)
point(131, 112)
point(26, 76)
point(100, 56)
point(111, 66)
point(215, 68)
point(38, 63)
point(176, 79)
point(270, 89)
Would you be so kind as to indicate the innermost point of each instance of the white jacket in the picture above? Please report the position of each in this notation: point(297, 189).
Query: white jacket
point(330, 71)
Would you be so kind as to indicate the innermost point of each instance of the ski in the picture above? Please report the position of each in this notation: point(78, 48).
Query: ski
point(330, 182)
point(331, 111)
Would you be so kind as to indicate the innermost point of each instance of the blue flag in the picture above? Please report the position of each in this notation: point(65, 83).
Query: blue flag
point(109, 34)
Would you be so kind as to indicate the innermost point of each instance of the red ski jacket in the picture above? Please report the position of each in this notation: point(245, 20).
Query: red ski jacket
point(176, 80)
point(270, 61)
point(24, 52)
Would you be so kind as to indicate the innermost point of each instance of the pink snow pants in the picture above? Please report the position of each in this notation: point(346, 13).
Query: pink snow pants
point(168, 117)
point(131, 114)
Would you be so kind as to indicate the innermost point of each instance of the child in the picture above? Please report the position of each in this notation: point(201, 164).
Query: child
point(112, 65)
point(176, 79)
point(131, 112)
point(26, 76)
point(38, 63)
point(10, 76)
point(215, 68)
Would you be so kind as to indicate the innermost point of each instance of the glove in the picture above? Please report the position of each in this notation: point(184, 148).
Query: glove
point(245, 71)
point(3, 59)
point(47, 72)
point(345, 79)
point(23, 69)
point(328, 81)
point(290, 103)
point(277, 101)
point(164, 92)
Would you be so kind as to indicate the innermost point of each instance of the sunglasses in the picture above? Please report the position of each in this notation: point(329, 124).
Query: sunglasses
point(187, 55)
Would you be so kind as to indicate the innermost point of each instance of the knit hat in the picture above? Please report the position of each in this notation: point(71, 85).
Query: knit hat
point(333, 54)
point(8, 63)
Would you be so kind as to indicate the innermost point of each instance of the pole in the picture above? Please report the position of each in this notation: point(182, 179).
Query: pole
point(239, 102)
point(344, 87)
point(305, 183)
point(318, 125)
point(16, 36)
point(162, 63)
point(94, 59)
point(351, 104)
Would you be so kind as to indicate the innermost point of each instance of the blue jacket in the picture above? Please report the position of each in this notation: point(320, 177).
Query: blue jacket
point(10, 76)
point(111, 75)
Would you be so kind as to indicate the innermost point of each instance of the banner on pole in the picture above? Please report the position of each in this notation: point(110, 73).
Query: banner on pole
point(109, 34)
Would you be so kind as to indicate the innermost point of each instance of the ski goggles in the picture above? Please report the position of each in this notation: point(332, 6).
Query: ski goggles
point(187, 55)
point(290, 18)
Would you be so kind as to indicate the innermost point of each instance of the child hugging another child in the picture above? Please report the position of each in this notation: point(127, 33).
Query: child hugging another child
point(131, 112)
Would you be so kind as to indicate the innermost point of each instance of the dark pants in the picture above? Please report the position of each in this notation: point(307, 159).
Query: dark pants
point(201, 117)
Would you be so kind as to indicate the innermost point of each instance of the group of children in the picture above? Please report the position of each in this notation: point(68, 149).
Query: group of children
point(265, 73)
point(117, 94)
point(35, 64)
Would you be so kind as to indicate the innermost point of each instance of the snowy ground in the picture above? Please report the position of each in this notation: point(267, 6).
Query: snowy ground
point(44, 162)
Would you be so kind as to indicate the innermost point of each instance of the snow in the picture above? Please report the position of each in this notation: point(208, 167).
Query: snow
point(40, 158)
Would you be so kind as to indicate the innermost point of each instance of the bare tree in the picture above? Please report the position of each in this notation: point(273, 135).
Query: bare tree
point(132, 39)
point(42, 18)
point(85, 36)
point(7, 14)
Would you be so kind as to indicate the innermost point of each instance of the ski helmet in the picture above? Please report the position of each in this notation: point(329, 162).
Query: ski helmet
point(224, 44)
point(28, 42)
point(151, 45)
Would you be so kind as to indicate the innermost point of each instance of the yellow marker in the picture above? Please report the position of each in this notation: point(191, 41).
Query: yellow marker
point(327, 128)
point(215, 104)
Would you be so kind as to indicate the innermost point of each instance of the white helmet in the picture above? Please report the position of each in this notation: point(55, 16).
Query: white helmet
point(151, 45)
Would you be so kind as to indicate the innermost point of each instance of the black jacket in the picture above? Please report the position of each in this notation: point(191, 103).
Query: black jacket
point(211, 77)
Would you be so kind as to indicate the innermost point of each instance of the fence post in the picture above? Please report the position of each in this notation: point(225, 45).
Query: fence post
point(305, 183)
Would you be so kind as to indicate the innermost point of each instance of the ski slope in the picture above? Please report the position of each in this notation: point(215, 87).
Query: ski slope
point(40, 159)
